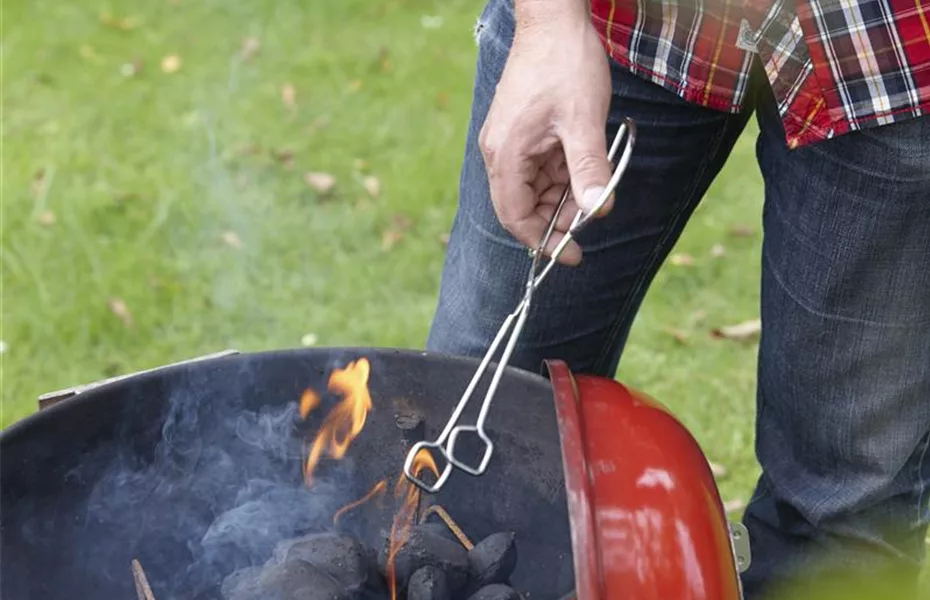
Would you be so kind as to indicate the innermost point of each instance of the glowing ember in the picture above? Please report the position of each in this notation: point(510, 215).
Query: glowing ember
point(346, 420)
point(403, 519)
point(377, 490)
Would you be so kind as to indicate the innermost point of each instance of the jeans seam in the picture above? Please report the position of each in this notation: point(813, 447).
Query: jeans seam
point(918, 471)
point(893, 325)
point(650, 263)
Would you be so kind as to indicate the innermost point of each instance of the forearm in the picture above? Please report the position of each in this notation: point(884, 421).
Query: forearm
point(539, 13)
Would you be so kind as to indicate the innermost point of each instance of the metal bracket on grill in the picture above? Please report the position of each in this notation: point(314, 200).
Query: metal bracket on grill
point(739, 536)
point(52, 398)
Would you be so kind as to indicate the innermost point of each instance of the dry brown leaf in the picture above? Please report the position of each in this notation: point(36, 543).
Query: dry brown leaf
point(232, 239)
point(390, 238)
point(321, 183)
point(401, 222)
point(171, 63)
point(88, 53)
point(680, 336)
point(372, 186)
point(444, 239)
point(250, 47)
point(38, 182)
point(742, 231)
point(289, 96)
point(682, 260)
point(384, 60)
point(46, 217)
point(123, 23)
point(718, 470)
point(132, 68)
point(734, 505)
point(442, 99)
point(717, 250)
point(118, 307)
point(741, 331)
point(285, 157)
point(318, 124)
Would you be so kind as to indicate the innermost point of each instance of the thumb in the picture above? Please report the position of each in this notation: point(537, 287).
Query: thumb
point(588, 167)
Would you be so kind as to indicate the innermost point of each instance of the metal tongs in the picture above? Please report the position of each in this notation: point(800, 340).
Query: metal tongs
point(445, 443)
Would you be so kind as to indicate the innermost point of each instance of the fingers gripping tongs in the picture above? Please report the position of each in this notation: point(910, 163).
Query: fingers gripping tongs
point(446, 442)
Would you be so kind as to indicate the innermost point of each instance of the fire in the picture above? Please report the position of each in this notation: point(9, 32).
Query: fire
point(345, 421)
point(403, 519)
point(340, 427)
point(377, 490)
point(309, 400)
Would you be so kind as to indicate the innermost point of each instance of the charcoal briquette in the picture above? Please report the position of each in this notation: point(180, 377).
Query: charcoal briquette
point(341, 556)
point(496, 591)
point(425, 547)
point(282, 581)
point(494, 558)
point(428, 583)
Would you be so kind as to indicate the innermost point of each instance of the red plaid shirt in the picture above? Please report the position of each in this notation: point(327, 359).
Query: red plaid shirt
point(834, 65)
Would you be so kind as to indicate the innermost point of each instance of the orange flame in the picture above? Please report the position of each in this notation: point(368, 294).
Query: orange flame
point(309, 400)
point(377, 490)
point(400, 529)
point(345, 421)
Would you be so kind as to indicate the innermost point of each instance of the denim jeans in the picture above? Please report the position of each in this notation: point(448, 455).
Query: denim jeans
point(843, 402)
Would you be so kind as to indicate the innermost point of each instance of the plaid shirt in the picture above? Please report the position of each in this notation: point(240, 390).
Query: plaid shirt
point(834, 65)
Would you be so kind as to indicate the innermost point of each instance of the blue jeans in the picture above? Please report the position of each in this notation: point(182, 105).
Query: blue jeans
point(843, 403)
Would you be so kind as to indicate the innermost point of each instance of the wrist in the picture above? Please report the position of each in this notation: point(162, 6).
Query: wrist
point(551, 14)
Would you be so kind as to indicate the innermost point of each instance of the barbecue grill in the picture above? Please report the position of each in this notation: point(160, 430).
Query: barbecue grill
point(186, 480)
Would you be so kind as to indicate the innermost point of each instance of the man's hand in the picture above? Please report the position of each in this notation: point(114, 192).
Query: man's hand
point(547, 122)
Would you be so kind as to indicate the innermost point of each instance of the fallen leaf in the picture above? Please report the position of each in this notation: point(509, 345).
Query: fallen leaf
point(289, 96)
point(682, 260)
point(680, 336)
point(122, 23)
point(321, 183)
point(442, 99)
point(318, 124)
point(131, 68)
point(718, 470)
point(38, 182)
point(232, 239)
point(46, 217)
point(717, 250)
point(250, 47)
point(384, 60)
point(285, 157)
point(741, 331)
point(88, 53)
point(171, 63)
point(444, 239)
point(118, 307)
point(390, 238)
point(734, 505)
point(431, 22)
point(742, 231)
point(372, 186)
point(401, 222)
point(356, 85)
point(309, 339)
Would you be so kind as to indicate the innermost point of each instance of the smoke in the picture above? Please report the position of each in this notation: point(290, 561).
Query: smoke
point(224, 486)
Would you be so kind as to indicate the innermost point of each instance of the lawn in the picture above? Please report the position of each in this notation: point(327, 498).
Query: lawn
point(156, 202)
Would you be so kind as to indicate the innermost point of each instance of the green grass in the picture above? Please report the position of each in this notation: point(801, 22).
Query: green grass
point(146, 173)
